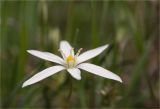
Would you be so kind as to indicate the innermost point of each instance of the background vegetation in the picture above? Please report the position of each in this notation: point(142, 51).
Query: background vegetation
point(130, 27)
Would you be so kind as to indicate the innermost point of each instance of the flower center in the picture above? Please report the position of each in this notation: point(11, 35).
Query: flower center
point(71, 59)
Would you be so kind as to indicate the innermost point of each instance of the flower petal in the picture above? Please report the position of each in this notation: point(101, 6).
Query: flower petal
point(43, 74)
point(66, 48)
point(47, 56)
point(90, 54)
point(75, 73)
point(97, 70)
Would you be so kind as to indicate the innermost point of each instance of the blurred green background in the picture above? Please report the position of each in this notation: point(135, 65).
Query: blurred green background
point(130, 27)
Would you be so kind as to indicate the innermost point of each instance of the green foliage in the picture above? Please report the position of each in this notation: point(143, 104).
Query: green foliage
point(130, 27)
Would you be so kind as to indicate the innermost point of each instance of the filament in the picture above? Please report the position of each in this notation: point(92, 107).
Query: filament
point(71, 51)
point(79, 51)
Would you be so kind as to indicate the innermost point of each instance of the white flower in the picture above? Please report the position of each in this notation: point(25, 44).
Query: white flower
point(71, 62)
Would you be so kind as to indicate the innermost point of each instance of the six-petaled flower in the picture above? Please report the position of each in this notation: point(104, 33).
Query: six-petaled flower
point(71, 62)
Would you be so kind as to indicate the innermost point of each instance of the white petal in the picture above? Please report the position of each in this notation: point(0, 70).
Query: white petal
point(90, 54)
point(47, 56)
point(66, 48)
point(43, 74)
point(75, 73)
point(97, 70)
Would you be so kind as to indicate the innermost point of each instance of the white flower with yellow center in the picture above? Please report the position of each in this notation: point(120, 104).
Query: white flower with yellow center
point(71, 62)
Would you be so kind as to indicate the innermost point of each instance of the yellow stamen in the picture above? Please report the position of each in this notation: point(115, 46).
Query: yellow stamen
point(70, 58)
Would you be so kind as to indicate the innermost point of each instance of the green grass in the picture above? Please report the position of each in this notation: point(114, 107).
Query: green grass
point(130, 27)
